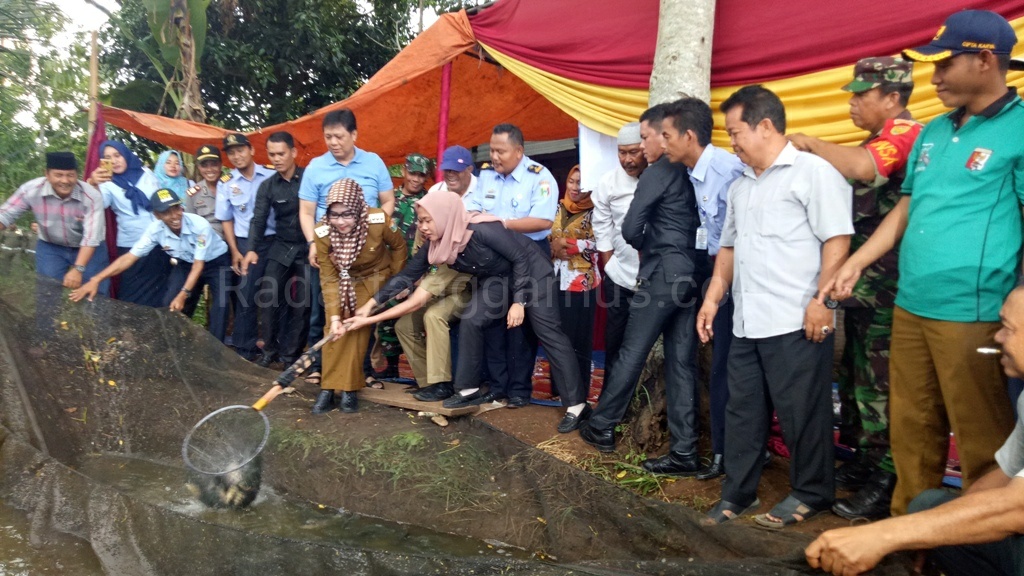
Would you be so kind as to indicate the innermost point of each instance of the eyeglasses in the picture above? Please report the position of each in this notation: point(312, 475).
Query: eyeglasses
point(347, 215)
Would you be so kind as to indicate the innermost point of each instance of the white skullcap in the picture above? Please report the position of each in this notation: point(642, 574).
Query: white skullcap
point(629, 134)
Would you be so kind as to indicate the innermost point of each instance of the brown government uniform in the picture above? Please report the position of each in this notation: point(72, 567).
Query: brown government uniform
point(383, 255)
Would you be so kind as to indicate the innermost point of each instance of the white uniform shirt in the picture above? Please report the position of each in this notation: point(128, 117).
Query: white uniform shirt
point(612, 198)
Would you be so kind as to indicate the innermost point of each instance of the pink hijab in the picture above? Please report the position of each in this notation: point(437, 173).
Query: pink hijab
point(452, 222)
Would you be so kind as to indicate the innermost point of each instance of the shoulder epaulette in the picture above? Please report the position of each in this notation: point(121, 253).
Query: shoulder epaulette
point(193, 190)
point(376, 218)
point(270, 166)
point(225, 178)
point(535, 168)
point(486, 166)
point(322, 230)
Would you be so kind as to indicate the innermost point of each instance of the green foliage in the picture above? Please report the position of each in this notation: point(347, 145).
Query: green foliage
point(43, 91)
point(266, 61)
point(161, 16)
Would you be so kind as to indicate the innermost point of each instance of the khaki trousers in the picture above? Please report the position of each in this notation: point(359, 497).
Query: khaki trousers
point(938, 383)
point(425, 340)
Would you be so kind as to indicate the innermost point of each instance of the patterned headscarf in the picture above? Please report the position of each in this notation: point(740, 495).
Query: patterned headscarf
point(128, 179)
point(345, 248)
point(179, 183)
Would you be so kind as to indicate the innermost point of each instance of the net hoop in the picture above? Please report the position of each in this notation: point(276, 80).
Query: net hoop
point(250, 454)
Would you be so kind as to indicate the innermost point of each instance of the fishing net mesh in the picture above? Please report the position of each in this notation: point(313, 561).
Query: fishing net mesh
point(106, 378)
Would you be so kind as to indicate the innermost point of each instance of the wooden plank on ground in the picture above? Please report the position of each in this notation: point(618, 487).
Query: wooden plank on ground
point(394, 395)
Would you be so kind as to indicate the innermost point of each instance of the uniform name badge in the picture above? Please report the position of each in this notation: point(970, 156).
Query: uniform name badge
point(702, 238)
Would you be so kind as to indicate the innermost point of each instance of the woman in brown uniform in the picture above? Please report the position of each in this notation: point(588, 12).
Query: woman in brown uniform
point(358, 250)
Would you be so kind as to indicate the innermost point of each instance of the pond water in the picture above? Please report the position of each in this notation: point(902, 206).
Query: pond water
point(272, 514)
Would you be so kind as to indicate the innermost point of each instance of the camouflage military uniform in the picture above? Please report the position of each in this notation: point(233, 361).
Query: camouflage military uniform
point(864, 371)
point(404, 218)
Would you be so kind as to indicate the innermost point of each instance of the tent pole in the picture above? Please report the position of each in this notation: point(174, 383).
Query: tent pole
point(442, 121)
point(94, 82)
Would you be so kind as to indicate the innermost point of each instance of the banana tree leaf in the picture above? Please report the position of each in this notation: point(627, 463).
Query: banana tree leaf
point(138, 95)
point(161, 15)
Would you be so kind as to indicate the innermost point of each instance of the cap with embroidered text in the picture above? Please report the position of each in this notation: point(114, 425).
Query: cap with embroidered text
point(967, 31)
point(163, 199)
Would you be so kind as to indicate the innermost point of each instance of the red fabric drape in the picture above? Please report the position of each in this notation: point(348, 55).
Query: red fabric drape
point(611, 43)
point(92, 162)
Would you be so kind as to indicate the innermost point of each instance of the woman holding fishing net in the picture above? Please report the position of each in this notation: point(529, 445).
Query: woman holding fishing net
point(358, 249)
point(505, 264)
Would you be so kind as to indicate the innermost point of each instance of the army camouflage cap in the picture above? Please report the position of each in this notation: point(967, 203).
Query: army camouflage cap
point(871, 73)
point(417, 163)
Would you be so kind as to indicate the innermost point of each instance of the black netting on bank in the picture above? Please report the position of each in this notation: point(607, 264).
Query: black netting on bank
point(95, 399)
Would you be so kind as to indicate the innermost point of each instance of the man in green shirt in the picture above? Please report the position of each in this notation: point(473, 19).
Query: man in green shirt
point(960, 224)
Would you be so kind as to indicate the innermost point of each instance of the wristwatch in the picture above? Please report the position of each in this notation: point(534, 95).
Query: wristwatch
point(78, 268)
point(186, 291)
point(831, 304)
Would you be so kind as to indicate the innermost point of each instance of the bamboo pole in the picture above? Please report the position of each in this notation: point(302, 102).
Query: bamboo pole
point(94, 81)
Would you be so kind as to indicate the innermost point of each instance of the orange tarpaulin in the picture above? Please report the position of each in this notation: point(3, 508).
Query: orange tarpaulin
point(397, 109)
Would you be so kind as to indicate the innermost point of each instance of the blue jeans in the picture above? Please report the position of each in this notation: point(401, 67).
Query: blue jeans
point(53, 262)
point(1003, 557)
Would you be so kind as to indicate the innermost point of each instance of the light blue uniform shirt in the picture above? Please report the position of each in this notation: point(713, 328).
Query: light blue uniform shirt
point(129, 224)
point(366, 168)
point(711, 176)
point(197, 240)
point(236, 200)
point(529, 190)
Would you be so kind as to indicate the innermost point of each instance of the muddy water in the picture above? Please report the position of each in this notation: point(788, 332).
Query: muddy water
point(275, 515)
point(272, 514)
point(18, 558)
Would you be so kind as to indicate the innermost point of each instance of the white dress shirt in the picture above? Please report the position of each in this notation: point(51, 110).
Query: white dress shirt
point(612, 198)
point(777, 223)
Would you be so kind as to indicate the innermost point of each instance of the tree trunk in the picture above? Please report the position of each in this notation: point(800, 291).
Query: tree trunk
point(191, 107)
point(682, 59)
point(682, 67)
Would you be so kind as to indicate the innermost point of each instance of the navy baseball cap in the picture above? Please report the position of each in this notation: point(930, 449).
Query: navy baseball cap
point(456, 158)
point(967, 31)
point(163, 199)
point(235, 139)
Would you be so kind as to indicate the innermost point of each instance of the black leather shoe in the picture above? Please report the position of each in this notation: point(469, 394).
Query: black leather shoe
point(870, 502)
point(571, 421)
point(673, 464)
point(713, 470)
point(493, 397)
point(603, 440)
point(853, 475)
point(435, 393)
point(349, 402)
point(324, 402)
point(265, 360)
point(518, 402)
point(457, 400)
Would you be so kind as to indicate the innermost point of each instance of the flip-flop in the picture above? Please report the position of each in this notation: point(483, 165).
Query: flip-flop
point(786, 511)
point(372, 382)
point(313, 378)
point(717, 515)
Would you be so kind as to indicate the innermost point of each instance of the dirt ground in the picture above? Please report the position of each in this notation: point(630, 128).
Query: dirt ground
point(535, 425)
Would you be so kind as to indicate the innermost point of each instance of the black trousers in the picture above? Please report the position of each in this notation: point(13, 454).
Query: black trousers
point(289, 307)
point(489, 305)
point(216, 274)
point(616, 299)
point(576, 311)
point(521, 346)
point(660, 306)
point(248, 323)
point(794, 374)
point(145, 282)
